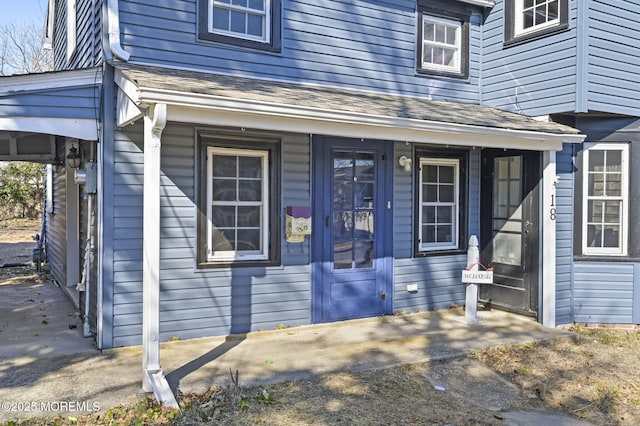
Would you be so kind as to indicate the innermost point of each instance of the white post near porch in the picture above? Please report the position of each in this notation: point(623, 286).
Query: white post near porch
point(153, 379)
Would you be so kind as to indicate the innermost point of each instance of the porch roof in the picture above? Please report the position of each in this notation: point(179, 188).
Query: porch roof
point(36, 107)
point(404, 116)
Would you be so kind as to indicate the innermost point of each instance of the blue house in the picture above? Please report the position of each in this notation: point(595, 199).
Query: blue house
point(250, 163)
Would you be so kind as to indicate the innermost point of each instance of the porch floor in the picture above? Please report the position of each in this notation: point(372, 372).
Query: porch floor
point(113, 377)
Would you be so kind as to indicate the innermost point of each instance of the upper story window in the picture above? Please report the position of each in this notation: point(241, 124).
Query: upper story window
point(241, 18)
point(443, 38)
point(441, 44)
point(247, 23)
point(605, 199)
point(525, 19)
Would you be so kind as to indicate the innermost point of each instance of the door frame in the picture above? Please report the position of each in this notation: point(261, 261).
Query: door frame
point(531, 253)
point(321, 148)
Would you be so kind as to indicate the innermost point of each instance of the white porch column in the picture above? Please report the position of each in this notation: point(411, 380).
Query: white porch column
point(154, 121)
point(548, 246)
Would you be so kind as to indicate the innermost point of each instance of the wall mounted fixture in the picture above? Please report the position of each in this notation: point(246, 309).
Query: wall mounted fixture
point(405, 162)
point(73, 157)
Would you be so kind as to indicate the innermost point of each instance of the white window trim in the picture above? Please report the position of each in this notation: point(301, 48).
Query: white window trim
point(266, 36)
point(71, 29)
point(230, 255)
point(425, 247)
point(624, 225)
point(519, 21)
point(458, 46)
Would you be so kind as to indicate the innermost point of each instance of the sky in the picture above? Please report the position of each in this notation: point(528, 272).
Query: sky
point(22, 11)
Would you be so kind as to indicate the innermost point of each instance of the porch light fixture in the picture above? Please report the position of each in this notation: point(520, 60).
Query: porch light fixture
point(405, 162)
point(73, 157)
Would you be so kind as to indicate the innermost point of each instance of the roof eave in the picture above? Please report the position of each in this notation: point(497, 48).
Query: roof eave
point(197, 108)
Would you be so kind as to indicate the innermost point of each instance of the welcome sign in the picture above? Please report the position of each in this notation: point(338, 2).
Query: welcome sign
point(477, 277)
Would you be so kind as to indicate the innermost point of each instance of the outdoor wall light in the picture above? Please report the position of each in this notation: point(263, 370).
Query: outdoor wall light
point(73, 157)
point(405, 162)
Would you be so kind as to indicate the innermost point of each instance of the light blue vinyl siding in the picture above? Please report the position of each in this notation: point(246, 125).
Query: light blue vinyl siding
point(614, 56)
point(564, 233)
point(438, 280)
point(356, 44)
point(88, 39)
point(535, 77)
point(592, 68)
point(437, 277)
point(200, 302)
point(603, 293)
point(56, 226)
point(67, 102)
point(88, 46)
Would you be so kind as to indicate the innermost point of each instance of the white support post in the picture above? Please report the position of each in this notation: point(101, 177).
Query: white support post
point(152, 378)
point(548, 250)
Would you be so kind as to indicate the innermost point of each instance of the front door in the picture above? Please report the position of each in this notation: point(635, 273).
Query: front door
point(352, 228)
point(509, 229)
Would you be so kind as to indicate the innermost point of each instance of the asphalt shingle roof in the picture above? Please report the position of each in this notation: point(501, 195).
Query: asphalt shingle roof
point(334, 99)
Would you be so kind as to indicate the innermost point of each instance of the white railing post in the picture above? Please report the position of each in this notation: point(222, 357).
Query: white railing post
point(471, 300)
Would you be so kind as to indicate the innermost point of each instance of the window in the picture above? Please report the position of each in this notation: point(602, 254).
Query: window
point(441, 44)
point(440, 206)
point(525, 19)
point(240, 18)
point(239, 219)
point(443, 38)
point(248, 23)
point(605, 194)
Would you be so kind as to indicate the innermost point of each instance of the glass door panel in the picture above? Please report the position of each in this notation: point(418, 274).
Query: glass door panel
point(353, 209)
point(507, 210)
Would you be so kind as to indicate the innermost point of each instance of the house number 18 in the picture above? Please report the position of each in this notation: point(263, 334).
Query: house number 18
point(552, 210)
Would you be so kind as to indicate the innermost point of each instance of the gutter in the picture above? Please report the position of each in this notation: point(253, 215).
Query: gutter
point(145, 96)
point(113, 18)
point(481, 3)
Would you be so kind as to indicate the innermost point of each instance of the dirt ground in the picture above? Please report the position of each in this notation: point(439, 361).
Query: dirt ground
point(16, 241)
point(594, 378)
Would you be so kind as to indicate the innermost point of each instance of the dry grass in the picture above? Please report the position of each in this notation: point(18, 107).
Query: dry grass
point(595, 377)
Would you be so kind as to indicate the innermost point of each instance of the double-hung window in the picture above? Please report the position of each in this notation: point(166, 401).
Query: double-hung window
point(247, 23)
point(605, 199)
point(441, 44)
point(238, 201)
point(443, 38)
point(531, 18)
point(241, 18)
point(438, 204)
point(239, 221)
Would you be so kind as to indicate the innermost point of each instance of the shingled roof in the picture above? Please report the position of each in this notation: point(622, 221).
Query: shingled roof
point(335, 99)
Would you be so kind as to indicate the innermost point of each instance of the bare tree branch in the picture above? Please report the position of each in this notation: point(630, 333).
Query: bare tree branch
point(22, 48)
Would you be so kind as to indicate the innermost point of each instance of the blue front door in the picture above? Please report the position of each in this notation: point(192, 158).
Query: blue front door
point(352, 229)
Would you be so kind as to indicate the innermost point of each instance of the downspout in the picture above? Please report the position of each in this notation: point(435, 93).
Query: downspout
point(113, 18)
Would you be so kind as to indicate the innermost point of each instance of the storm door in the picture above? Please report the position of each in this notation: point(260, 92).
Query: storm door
point(352, 228)
point(510, 229)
